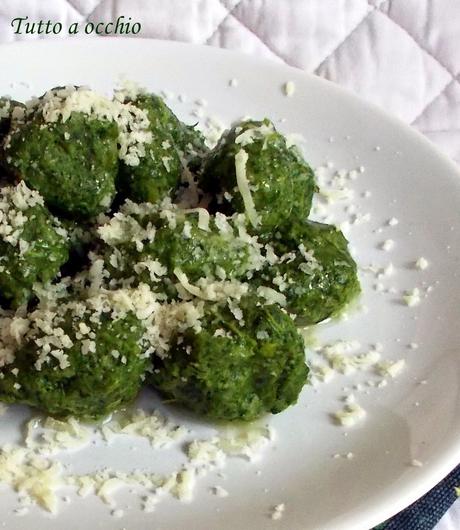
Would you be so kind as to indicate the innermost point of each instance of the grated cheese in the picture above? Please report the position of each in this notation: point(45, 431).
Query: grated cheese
point(421, 264)
point(412, 298)
point(246, 441)
point(289, 88)
point(50, 436)
point(31, 475)
point(219, 491)
point(133, 123)
point(182, 277)
point(349, 415)
point(341, 361)
point(391, 368)
point(203, 217)
point(320, 373)
point(40, 479)
point(387, 245)
point(277, 512)
point(272, 296)
point(154, 427)
point(241, 159)
point(248, 136)
point(15, 204)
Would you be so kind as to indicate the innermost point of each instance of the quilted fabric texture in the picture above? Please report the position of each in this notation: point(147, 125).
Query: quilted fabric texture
point(400, 54)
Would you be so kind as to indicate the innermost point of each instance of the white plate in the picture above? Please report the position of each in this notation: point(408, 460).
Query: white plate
point(410, 180)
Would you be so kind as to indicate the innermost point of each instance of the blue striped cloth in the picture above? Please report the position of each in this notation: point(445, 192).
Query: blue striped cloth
point(425, 513)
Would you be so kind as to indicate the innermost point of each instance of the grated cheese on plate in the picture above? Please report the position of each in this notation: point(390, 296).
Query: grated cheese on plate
point(349, 415)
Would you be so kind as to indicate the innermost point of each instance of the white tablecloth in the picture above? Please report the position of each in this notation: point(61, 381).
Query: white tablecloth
point(401, 54)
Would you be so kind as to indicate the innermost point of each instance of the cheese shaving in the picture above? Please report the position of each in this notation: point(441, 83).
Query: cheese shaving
point(248, 136)
point(349, 415)
point(272, 296)
point(391, 368)
point(203, 217)
point(241, 159)
point(182, 277)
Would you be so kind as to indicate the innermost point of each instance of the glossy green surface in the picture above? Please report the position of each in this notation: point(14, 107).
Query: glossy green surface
point(187, 139)
point(196, 252)
point(159, 171)
point(314, 293)
point(93, 385)
point(252, 370)
point(47, 250)
point(234, 368)
point(73, 164)
point(282, 183)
